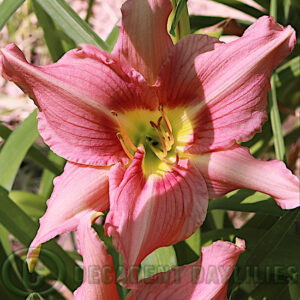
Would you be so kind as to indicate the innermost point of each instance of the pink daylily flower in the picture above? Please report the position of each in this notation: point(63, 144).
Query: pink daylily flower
point(157, 124)
point(206, 279)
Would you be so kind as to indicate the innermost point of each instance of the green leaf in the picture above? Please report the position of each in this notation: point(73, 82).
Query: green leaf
point(46, 185)
point(216, 33)
point(275, 121)
point(72, 25)
point(61, 265)
point(89, 10)
point(184, 253)
point(112, 38)
point(51, 37)
point(179, 18)
point(286, 9)
point(273, 8)
point(33, 205)
point(161, 260)
point(287, 72)
point(294, 287)
point(271, 239)
point(284, 253)
point(34, 153)
point(7, 9)
point(242, 7)
point(247, 201)
point(15, 149)
point(117, 257)
point(267, 291)
point(194, 242)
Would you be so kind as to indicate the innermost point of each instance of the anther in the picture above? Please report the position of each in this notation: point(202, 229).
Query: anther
point(123, 131)
point(160, 137)
point(177, 158)
point(126, 150)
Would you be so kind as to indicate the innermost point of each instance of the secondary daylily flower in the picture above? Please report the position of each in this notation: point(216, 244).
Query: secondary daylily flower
point(206, 279)
point(160, 122)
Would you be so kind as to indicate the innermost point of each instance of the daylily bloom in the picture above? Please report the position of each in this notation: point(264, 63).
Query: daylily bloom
point(206, 279)
point(159, 122)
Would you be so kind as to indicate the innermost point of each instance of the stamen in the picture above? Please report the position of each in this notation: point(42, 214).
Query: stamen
point(126, 150)
point(160, 137)
point(166, 136)
point(126, 137)
point(167, 122)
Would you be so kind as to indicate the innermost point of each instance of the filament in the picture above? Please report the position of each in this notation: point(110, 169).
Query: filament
point(168, 124)
point(125, 136)
point(166, 136)
point(126, 150)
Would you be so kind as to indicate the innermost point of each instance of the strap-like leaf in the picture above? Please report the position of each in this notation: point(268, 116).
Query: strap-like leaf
point(15, 149)
point(72, 25)
point(7, 9)
point(34, 153)
point(20, 225)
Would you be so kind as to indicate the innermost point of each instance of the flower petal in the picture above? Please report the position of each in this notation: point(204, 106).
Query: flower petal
point(75, 97)
point(148, 213)
point(234, 78)
point(144, 41)
point(79, 190)
point(99, 274)
point(206, 279)
point(178, 82)
point(228, 170)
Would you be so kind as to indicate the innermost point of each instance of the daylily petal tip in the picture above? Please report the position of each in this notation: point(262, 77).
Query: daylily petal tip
point(32, 257)
point(240, 243)
point(95, 216)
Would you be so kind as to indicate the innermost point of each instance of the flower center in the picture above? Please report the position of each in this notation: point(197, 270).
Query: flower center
point(162, 133)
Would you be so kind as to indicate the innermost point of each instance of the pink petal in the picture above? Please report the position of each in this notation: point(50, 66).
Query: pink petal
point(178, 82)
point(75, 97)
point(228, 170)
point(99, 274)
point(206, 279)
point(144, 41)
point(79, 190)
point(232, 83)
point(148, 213)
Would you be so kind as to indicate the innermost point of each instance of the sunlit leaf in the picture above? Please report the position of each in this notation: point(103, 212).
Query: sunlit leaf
point(15, 149)
point(7, 9)
point(76, 28)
